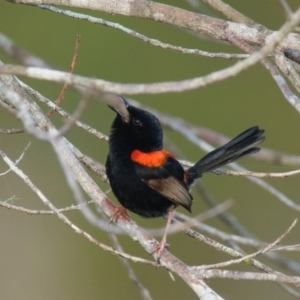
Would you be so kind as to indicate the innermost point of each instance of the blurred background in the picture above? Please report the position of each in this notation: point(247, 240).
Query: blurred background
point(41, 258)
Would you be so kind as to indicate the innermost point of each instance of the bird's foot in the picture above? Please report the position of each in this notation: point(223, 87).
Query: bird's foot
point(159, 249)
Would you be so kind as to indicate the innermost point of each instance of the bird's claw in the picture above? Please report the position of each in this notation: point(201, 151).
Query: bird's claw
point(159, 249)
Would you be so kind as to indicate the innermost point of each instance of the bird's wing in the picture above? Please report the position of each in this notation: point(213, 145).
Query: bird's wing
point(168, 181)
point(172, 189)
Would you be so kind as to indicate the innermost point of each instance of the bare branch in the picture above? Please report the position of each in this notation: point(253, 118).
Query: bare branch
point(62, 112)
point(76, 115)
point(292, 75)
point(161, 87)
point(288, 70)
point(9, 47)
point(62, 217)
point(62, 147)
point(252, 34)
point(18, 160)
point(221, 234)
point(145, 294)
point(16, 100)
point(286, 8)
point(250, 276)
point(28, 211)
point(71, 69)
point(247, 257)
point(15, 97)
point(191, 222)
point(142, 37)
point(256, 174)
point(12, 131)
point(229, 12)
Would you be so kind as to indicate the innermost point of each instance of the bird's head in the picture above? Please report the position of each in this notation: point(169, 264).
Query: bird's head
point(138, 129)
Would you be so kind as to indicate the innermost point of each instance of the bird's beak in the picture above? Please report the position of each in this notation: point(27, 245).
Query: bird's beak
point(120, 105)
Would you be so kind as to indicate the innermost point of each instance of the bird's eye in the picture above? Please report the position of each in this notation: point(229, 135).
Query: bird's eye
point(137, 122)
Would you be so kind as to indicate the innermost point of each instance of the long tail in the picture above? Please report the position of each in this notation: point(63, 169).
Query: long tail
point(241, 146)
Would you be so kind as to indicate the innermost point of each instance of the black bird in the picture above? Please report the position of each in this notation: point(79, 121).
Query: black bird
point(148, 180)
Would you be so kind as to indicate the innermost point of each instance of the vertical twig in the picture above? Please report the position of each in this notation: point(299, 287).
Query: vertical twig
point(71, 69)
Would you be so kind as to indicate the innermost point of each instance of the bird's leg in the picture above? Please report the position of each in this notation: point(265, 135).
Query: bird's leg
point(120, 210)
point(163, 242)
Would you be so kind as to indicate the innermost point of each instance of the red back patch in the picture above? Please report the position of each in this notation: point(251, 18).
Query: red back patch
point(151, 159)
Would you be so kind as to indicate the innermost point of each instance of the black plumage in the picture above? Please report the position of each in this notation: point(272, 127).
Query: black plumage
point(148, 180)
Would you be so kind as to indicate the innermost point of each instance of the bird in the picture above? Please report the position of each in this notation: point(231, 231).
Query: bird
point(148, 180)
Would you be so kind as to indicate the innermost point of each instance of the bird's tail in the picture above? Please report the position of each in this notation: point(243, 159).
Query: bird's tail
point(241, 146)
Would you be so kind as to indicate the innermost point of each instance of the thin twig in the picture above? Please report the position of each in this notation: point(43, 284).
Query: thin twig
point(224, 236)
point(18, 160)
point(247, 257)
point(236, 275)
point(286, 8)
point(288, 248)
point(142, 37)
point(237, 227)
point(12, 130)
point(144, 292)
point(194, 221)
point(71, 69)
point(289, 290)
point(62, 217)
point(41, 211)
point(229, 12)
point(231, 252)
point(288, 69)
point(188, 164)
point(75, 116)
point(79, 198)
point(161, 87)
point(292, 98)
point(22, 113)
point(62, 112)
point(9, 47)
point(256, 174)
